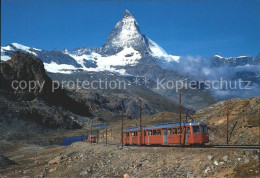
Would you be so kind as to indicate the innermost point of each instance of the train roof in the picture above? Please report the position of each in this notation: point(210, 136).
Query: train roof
point(91, 135)
point(166, 125)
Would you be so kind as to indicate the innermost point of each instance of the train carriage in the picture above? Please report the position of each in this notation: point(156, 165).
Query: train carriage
point(189, 133)
point(91, 138)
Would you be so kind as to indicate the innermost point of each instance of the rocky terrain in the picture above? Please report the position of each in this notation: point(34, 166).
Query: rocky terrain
point(33, 124)
point(244, 121)
point(110, 100)
point(83, 159)
point(27, 157)
point(40, 109)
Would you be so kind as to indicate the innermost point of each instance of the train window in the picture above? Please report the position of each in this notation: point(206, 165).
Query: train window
point(188, 130)
point(174, 131)
point(127, 134)
point(144, 133)
point(150, 132)
point(158, 132)
point(154, 132)
point(132, 133)
point(169, 131)
point(204, 129)
point(179, 130)
point(135, 133)
point(196, 129)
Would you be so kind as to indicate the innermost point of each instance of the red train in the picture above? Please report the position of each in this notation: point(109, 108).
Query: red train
point(191, 133)
point(92, 138)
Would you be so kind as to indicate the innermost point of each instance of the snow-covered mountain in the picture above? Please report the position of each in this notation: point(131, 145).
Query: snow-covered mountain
point(125, 46)
point(6, 51)
point(54, 61)
point(217, 61)
point(126, 33)
point(129, 52)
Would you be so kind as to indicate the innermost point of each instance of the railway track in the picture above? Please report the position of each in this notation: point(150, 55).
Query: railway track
point(236, 146)
point(197, 146)
point(219, 146)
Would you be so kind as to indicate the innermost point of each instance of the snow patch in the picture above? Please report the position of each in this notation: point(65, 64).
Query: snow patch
point(242, 56)
point(5, 58)
point(21, 47)
point(218, 56)
point(59, 68)
point(6, 48)
point(128, 56)
point(158, 52)
point(24, 48)
point(37, 49)
point(80, 58)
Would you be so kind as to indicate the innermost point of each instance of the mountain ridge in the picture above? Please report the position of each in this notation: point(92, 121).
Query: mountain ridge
point(125, 45)
point(128, 52)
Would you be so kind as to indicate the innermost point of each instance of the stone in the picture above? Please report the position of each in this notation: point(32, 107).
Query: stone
point(189, 175)
point(207, 170)
point(51, 170)
point(246, 160)
point(221, 163)
point(225, 158)
point(139, 165)
point(210, 157)
point(216, 162)
point(55, 160)
point(85, 172)
point(126, 176)
point(26, 171)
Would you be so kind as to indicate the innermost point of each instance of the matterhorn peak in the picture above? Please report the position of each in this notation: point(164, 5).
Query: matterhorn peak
point(126, 33)
point(127, 14)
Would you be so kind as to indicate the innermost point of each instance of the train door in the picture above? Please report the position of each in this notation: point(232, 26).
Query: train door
point(165, 138)
point(144, 139)
point(185, 135)
point(131, 137)
point(149, 133)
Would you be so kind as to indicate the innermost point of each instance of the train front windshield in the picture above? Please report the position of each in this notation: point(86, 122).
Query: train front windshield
point(204, 129)
point(196, 129)
point(200, 129)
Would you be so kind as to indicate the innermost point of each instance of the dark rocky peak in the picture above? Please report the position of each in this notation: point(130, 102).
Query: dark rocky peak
point(27, 68)
point(23, 67)
point(127, 14)
point(126, 33)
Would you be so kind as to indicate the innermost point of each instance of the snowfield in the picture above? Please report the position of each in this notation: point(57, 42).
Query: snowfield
point(59, 68)
point(158, 52)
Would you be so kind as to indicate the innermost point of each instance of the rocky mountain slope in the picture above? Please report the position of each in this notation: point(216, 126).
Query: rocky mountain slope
point(244, 121)
point(38, 104)
point(218, 61)
point(109, 101)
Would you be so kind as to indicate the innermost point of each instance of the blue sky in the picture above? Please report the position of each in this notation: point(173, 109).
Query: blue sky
point(227, 28)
